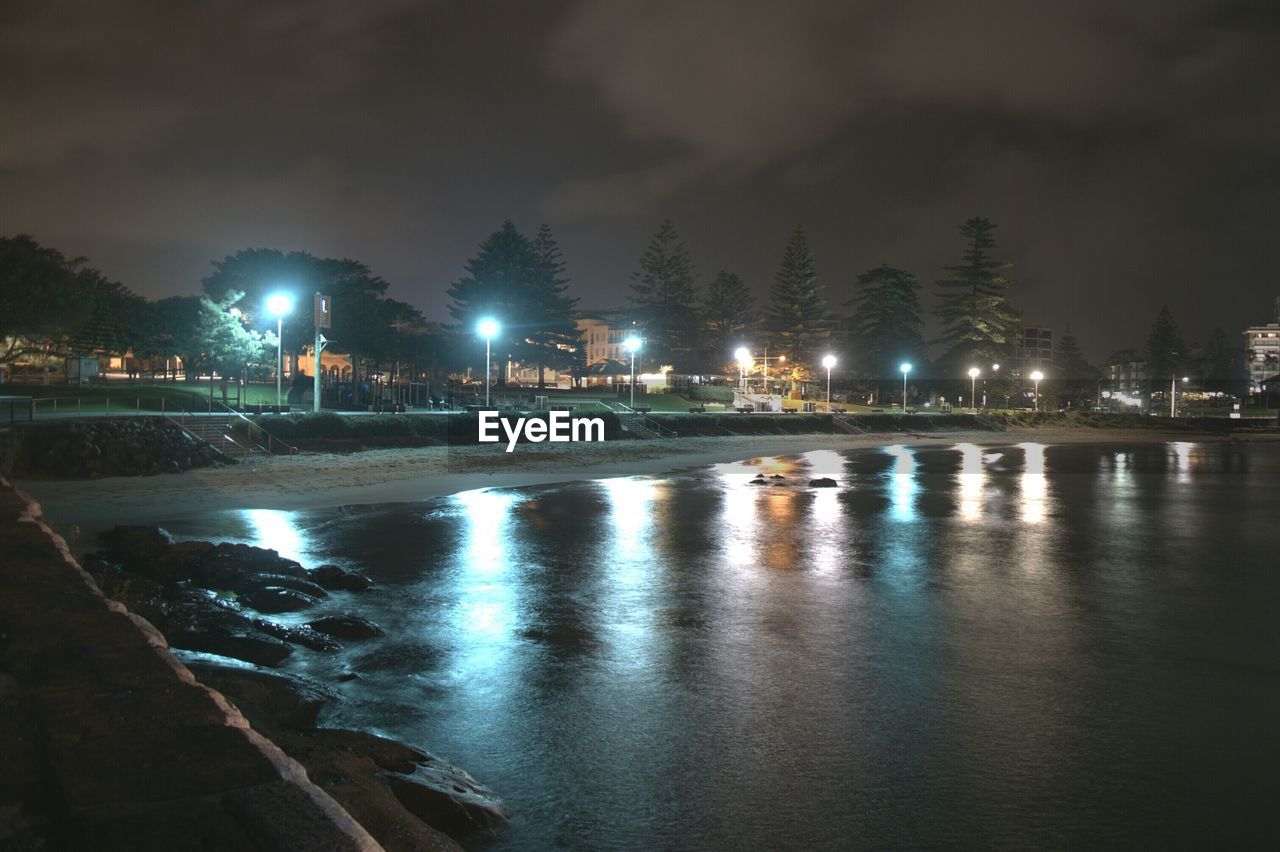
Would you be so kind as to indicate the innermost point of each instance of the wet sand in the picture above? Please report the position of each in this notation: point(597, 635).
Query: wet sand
point(319, 480)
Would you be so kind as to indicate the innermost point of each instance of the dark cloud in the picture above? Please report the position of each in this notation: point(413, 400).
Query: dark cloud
point(1125, 149)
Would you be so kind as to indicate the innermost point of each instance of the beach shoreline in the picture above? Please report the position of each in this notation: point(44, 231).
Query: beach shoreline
point(319, 481)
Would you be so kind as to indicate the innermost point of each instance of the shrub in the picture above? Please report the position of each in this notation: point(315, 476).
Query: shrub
point(710, 393)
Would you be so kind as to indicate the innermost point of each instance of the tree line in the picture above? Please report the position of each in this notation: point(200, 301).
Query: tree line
point(51, 304)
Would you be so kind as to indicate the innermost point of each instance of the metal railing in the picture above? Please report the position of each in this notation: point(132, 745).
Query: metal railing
point(629, 413)
point(251, 428)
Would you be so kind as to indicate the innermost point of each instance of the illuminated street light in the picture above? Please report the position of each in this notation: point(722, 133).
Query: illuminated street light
point(632, 345)
point(905, 368)
point(829, 361)
point(973, 387)
point(488, 329)
point(1036, 377)
point(743, 354)
point(279, 304)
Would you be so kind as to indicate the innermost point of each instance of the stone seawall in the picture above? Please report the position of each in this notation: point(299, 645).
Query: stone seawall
point(109, 742)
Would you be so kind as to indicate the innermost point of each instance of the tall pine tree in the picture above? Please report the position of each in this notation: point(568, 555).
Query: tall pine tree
point(1166, 350)
point(730, 314)
point(979, 325)
point(1073, 378)
point(1069, 362)
point(886, 322)
point(554, 337)
point(664, 299)
point(799, 322)
point(497, 284)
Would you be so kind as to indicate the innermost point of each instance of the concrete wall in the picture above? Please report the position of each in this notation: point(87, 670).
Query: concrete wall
point(108, 742)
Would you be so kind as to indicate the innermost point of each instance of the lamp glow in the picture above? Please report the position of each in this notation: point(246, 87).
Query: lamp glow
point(487, 328)
point(1036, 377)
point(829, 361)
point(905, 368)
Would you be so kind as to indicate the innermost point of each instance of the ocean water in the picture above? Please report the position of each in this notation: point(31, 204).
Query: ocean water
point(960, 646)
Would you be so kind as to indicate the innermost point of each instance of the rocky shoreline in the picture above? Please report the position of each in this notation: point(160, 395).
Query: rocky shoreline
point(213, 602)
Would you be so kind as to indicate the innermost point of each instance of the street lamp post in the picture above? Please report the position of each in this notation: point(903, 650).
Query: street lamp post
point(973, 388)
point(1036, 377)
point(278, 305)
point(487, 328)
point(743, 354)
point(632, 344)
point(829, 361)
point(1173, 393)
point(905, 368)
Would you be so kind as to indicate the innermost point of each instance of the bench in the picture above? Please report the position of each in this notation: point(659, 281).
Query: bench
point(643, 409)
point(701, 409)
point(745, 409)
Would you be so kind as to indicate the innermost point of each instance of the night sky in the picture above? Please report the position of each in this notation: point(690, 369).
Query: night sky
point(1128, 154)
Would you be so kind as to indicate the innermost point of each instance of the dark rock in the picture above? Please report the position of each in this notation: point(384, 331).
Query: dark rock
point(824, 482)
point(353, 582)
point(350, 767)
point(327, 576)
point(346, 627)
point(757, 482)
point(263, 695)
point(231, 639)
point(272, 599)
point(777, 476)
point(297, 635)
point(253, 582)
point(447, 798)
point(333, 578)
point(136, 543)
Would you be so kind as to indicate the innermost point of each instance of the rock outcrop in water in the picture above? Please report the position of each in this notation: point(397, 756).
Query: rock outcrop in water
point(204, 596)
point(403, 796)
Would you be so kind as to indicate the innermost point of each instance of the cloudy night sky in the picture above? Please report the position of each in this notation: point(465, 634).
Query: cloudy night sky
point(1128, 154)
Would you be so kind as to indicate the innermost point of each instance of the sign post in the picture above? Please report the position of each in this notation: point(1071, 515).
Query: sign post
point(324, 319)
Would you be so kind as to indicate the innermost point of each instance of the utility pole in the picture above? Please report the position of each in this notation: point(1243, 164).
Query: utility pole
point(324, 319)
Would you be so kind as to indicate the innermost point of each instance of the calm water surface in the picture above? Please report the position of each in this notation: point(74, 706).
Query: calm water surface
point(1023, 645)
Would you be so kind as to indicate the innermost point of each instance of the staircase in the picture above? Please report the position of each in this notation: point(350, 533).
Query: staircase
point(215, 430)
point(848, 425)
point(634, 427)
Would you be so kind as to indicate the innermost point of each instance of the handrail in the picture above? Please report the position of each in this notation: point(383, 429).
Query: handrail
point(648, 422)
point(181, 423)
point(272, 440)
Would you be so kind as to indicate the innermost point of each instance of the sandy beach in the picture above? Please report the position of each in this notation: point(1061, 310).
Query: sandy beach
point(317, 480)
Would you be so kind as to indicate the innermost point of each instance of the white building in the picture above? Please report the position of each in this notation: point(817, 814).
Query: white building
point(602, 335)
point(1262, 350)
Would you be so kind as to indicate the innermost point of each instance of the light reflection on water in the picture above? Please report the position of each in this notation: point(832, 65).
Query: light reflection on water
point(959, 646)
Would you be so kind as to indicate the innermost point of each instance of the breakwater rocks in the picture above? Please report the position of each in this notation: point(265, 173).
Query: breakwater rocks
point(92, 449)
point(212, 603)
